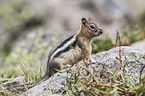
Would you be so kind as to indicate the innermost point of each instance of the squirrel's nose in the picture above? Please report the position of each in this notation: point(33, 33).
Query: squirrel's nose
point(100, 30)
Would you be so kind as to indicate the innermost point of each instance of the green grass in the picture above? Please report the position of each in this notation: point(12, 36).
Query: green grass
point(102, 44)
point(121, 81)
point(129, 35)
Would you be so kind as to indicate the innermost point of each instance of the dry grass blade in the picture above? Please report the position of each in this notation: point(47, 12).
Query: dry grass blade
point(141, 73)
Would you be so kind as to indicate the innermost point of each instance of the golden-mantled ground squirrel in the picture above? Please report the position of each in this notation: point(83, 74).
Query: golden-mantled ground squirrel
point(69, 51)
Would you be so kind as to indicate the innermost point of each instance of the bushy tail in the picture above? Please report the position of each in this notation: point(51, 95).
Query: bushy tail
point(24, 87)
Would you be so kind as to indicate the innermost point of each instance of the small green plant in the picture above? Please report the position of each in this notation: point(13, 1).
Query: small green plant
point(31, 73)
point(91, 81)
point(132, 34)
point(102, 44)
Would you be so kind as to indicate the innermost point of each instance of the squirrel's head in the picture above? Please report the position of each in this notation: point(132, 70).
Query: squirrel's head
point(89, 28)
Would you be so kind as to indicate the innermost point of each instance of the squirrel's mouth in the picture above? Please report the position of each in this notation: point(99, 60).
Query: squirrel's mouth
point(100, 31)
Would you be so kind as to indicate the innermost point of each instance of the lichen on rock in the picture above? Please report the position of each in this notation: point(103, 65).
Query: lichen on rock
point(65, 82)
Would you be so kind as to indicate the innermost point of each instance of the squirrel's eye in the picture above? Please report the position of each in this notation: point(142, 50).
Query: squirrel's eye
point(92, 27)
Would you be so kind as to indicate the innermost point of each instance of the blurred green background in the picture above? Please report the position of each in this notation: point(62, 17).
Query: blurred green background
point(30, 29)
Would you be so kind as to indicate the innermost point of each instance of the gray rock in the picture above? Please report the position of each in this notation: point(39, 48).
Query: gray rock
point(11, 82)
point(132, 62)
point(2, 80)
point(33, 47)
point(139, 45)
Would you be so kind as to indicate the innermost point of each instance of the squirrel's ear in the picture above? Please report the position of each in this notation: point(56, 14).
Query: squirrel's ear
point(84, 21)
point(89, 19)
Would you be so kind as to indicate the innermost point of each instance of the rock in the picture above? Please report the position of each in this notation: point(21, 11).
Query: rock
point(2, 80)
point(32, 47)
point(11, 82)
point(132, 63)
point(139, 45)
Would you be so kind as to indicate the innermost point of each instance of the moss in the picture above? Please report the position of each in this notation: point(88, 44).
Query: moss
point(132, 34)
point(129, 35)
point(102, 44)
point(32, 50)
